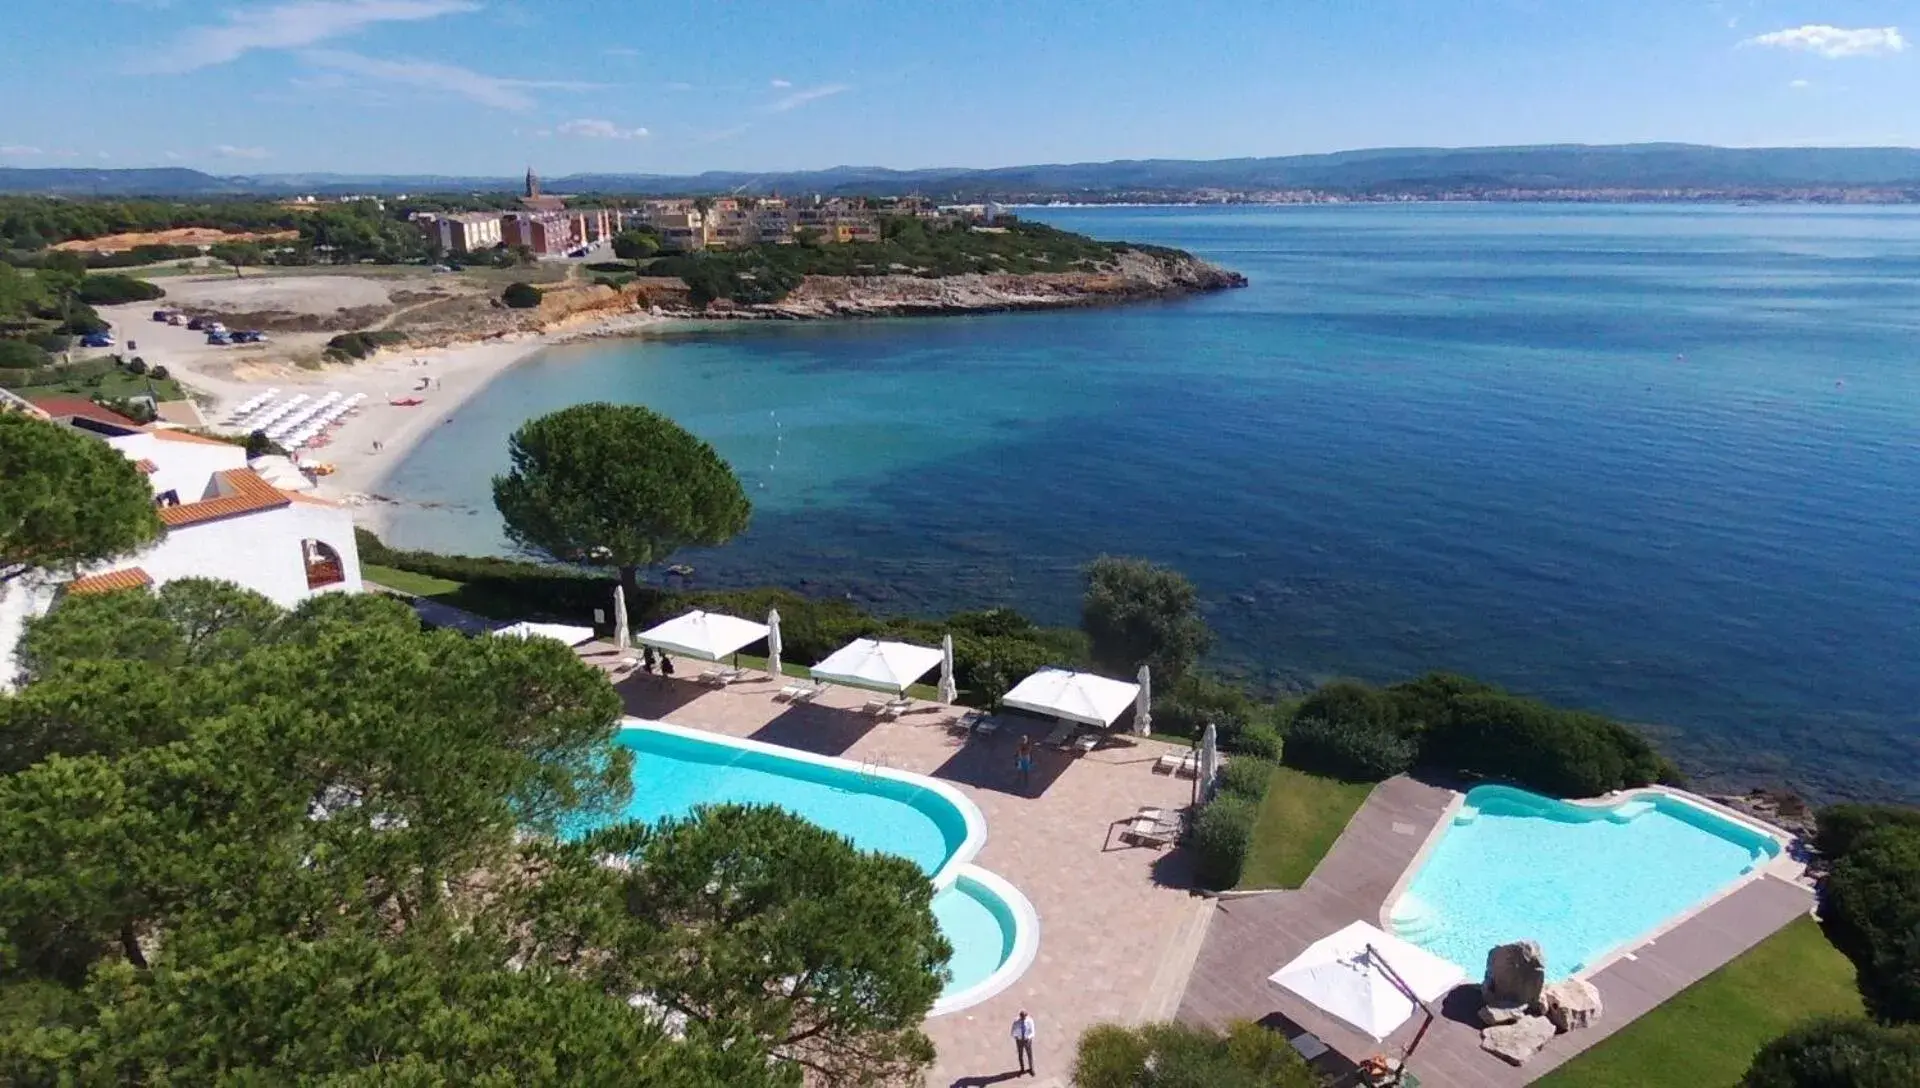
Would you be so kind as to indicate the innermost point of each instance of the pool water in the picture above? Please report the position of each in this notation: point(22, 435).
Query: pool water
point(980, 928)
point(1580, 880)
point(674, 771)
point(992, 927)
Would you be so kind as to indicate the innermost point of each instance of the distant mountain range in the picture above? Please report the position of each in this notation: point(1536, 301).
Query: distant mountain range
point(1411, 171)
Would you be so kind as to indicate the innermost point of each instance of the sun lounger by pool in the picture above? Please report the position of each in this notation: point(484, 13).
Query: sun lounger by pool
point(1150, 827)
point(798, 693)
point(1086, 742)
point(720, 678)
point(1061, 735)
point(986, 726)
point(1182, 764)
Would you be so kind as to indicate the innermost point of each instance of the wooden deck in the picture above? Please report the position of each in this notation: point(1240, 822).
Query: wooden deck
point(1250, 938)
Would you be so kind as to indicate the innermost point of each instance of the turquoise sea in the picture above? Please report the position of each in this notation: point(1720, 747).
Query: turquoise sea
point(1663, 462)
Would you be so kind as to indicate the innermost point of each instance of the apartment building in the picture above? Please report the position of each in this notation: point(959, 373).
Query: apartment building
point(467, 232)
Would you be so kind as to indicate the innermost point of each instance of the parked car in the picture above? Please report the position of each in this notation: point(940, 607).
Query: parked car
point(176, 319)
point(162, 315)
point(96, 340)
point(220, 338)
point(197, 323)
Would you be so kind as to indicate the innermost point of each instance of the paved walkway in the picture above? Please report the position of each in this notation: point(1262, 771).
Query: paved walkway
point(1251, 938)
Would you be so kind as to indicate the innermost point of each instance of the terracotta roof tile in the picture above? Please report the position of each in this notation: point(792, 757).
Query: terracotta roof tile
point(185, 436)
point(310, 500)
point(239, 491)
point(82, 408)
point(124, 578)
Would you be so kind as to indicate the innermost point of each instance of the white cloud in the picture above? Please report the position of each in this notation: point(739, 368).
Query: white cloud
point(228, 151)
point(172, 156)
point(290, 25)
point(593, 128)
point(780, 83)
point(103, 154)
point(18, 151)
point(1835, 42)
point(811, 94)
point(1800, 84)
point(496, 91)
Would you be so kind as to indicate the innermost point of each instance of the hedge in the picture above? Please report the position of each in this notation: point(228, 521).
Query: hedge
point(109, 290)
point(1349, 730)
point(521, 296)
point(1839, 827)
point(1870, 902)
point(1220, 839)
point(1246, 777)
point(86, 370)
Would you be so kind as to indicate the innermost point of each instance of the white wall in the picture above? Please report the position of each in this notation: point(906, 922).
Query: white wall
point(184, 466)
point(260, 551)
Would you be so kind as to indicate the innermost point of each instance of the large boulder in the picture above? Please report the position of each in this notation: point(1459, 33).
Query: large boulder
point(1516, 973)
point(1571, 1004)
point(1518, 1041)
point(1495, 1015)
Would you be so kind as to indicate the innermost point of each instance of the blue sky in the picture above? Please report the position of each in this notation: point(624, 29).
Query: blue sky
point(487, 86)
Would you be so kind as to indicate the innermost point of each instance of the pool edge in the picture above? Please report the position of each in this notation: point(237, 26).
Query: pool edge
point(970, 814)
point(1026, 944)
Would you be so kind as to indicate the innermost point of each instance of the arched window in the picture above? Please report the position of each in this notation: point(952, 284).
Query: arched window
point(323, 564)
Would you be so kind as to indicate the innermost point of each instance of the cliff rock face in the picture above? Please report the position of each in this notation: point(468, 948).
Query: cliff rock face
point(1133, 275)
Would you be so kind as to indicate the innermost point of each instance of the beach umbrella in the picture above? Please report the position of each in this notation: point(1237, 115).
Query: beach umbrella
point(620, 633)
point(773, 642)
point(948, 689)
point(1143, 705)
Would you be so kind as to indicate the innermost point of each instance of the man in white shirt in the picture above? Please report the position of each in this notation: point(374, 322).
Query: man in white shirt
point(1023, 1041)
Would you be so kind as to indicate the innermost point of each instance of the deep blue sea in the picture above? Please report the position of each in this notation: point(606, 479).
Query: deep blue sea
point(1662, 462)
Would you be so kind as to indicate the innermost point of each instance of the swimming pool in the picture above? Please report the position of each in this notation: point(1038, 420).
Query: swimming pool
point(992, 927)
point(1582, 880)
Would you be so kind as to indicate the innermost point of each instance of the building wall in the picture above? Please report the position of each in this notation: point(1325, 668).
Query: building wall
point(185, 467)
point(260, 551)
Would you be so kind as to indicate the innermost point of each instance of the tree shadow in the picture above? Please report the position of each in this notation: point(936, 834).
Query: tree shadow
point(1175, 868)
point(652, 696)
point(811, 727)
point(1333, 1066)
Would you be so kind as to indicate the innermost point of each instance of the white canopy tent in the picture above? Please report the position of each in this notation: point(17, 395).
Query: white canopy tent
point(878, 666)
point(564, 632)
point(1342, 975)
point(708, 636)
point(1073, 696)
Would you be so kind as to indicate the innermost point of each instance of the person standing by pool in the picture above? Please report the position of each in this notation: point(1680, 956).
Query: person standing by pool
point(1023, 761)
point(666, 667)
point(1023, 1042)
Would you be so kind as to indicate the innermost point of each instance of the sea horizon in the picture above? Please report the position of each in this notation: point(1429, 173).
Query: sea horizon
point(1649, 460)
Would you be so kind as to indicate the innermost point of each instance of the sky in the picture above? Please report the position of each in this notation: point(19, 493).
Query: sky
point(487, 87)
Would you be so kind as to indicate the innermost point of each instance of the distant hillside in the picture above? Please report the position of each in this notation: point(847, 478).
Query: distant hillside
point(1385, 170)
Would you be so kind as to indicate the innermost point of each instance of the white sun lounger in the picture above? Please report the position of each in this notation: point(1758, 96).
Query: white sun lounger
point(1182, 764)
point(1060, 735)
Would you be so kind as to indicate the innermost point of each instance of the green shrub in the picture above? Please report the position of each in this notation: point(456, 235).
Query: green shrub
point(521, 296)
point(1220, 840)
point(362, 344)
point(1350, 730)
point(1562, 752)
point(1852, 1053)
point(1870, 903)
point(1182, 1056)
point(20, 355)
point(1184, 709)
point(1260, 741)
point(1246, 777)
point(160, 374)
point(113, 289)
point(1840, 826)
point(137, 366)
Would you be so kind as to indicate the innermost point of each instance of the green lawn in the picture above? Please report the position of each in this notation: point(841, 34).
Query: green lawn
point(1301, 817)
point(420, 585)
point(1707, 1035)
point(117, 385)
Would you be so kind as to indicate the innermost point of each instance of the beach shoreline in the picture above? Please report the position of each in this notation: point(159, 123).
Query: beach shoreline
point(367, 446)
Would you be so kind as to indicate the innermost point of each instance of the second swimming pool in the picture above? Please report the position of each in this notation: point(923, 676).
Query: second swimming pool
point(1582, 880)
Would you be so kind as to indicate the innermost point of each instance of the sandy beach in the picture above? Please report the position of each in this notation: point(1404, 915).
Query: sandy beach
point(367, 445)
